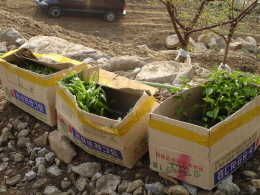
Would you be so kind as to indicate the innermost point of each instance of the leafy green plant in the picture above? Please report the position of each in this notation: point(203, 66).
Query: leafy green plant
point(37, 68)
point(45, 70)
point(90, 96)
point(224, 94)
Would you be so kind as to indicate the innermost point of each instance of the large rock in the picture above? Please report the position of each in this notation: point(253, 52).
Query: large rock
point(162, 71)
point(123, 63)
point(55, 45)
point(61, 146)
point(198, 46)
point(107, 183)
point(88, 169)
point(172, 41)
point(10, 36)
point(3, 48)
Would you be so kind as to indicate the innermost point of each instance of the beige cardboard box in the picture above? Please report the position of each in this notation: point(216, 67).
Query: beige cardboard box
point(121, 142)
point(32, 92)
point(200, 156)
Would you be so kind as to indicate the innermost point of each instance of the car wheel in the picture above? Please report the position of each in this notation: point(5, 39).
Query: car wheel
point(110, 16)
point(55, 12)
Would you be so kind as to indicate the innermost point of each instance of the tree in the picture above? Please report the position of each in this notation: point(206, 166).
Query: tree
point(190, 16)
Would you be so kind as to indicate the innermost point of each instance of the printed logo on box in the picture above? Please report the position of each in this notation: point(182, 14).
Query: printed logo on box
point(95, 145)
point(234, 164)
point(29, 102)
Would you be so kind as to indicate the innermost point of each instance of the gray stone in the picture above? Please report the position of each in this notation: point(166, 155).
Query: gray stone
point(3, 48)
point(18, 157)
point(51, 190)
point(228, 187)
point(138, 191)
point(186, 73)
point(11, 145)
point(23, 133)
point(198, 46)
point(56, 45)
point(23, 141)
point(213, 43)
point(19, 41)
point(192, 189)
point(81, 183)
point(161, 71)
point(10, 35)
point(134, 185)
point(42, 140)
point(123, 186)
point(88, 169)
point(40, 161)
point(4, 138)
point(96, 176)
point(107, 183)
point(66, 184)
point(125, 63)
point(15, 124)
point(13, 180)
point(50, 156)
point(3, 166)
point(203, 39)
point(42, 171)
point(22, 125)
point(54, 171)
point(221, 43)
point(256, 183)
point(42, 152)
point(172, 41)
point(155, 188)
point(89, 61)
point(249, 175)
point(249, 189)
point(40, 183)
point(30, 175)
point(61, 146)
point(235, 46)
point(178, 190)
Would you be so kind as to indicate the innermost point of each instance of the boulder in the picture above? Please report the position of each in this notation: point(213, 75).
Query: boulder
point(162, 71)
point(10, 36)
point(172, 42)
point(124, 63)
point(61, 146)
point(58, 46)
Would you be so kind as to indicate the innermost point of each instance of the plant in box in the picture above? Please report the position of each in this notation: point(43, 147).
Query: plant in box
point(90, 96)
point(224, 94)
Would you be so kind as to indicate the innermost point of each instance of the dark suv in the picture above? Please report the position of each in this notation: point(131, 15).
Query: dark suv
point(110, 8)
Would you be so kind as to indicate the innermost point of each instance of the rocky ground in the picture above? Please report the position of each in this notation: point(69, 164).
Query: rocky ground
point(34, 168)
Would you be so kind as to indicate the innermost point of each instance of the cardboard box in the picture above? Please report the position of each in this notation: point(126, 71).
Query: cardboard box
point(121, 142)
point(200, 156)
point(32, 92)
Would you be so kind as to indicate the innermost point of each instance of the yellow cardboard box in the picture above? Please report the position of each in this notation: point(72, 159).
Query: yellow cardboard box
point(197, 155)
point(32, 92)
point(121, 142)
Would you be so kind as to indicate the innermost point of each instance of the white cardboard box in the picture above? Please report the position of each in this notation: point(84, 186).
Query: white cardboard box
point(200, 156)
point(121, 142)
point(32, 92)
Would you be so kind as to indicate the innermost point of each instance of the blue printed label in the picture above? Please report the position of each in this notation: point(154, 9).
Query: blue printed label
point(234, 164)
point(97, 146)
point(30, 102)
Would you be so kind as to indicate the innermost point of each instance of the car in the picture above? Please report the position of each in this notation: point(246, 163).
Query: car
point(111, 9)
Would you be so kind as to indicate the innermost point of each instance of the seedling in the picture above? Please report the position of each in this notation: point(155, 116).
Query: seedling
point(90, 96)
point(224, 94)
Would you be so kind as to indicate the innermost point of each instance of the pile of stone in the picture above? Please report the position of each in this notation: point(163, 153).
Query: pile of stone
point(216, 42)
